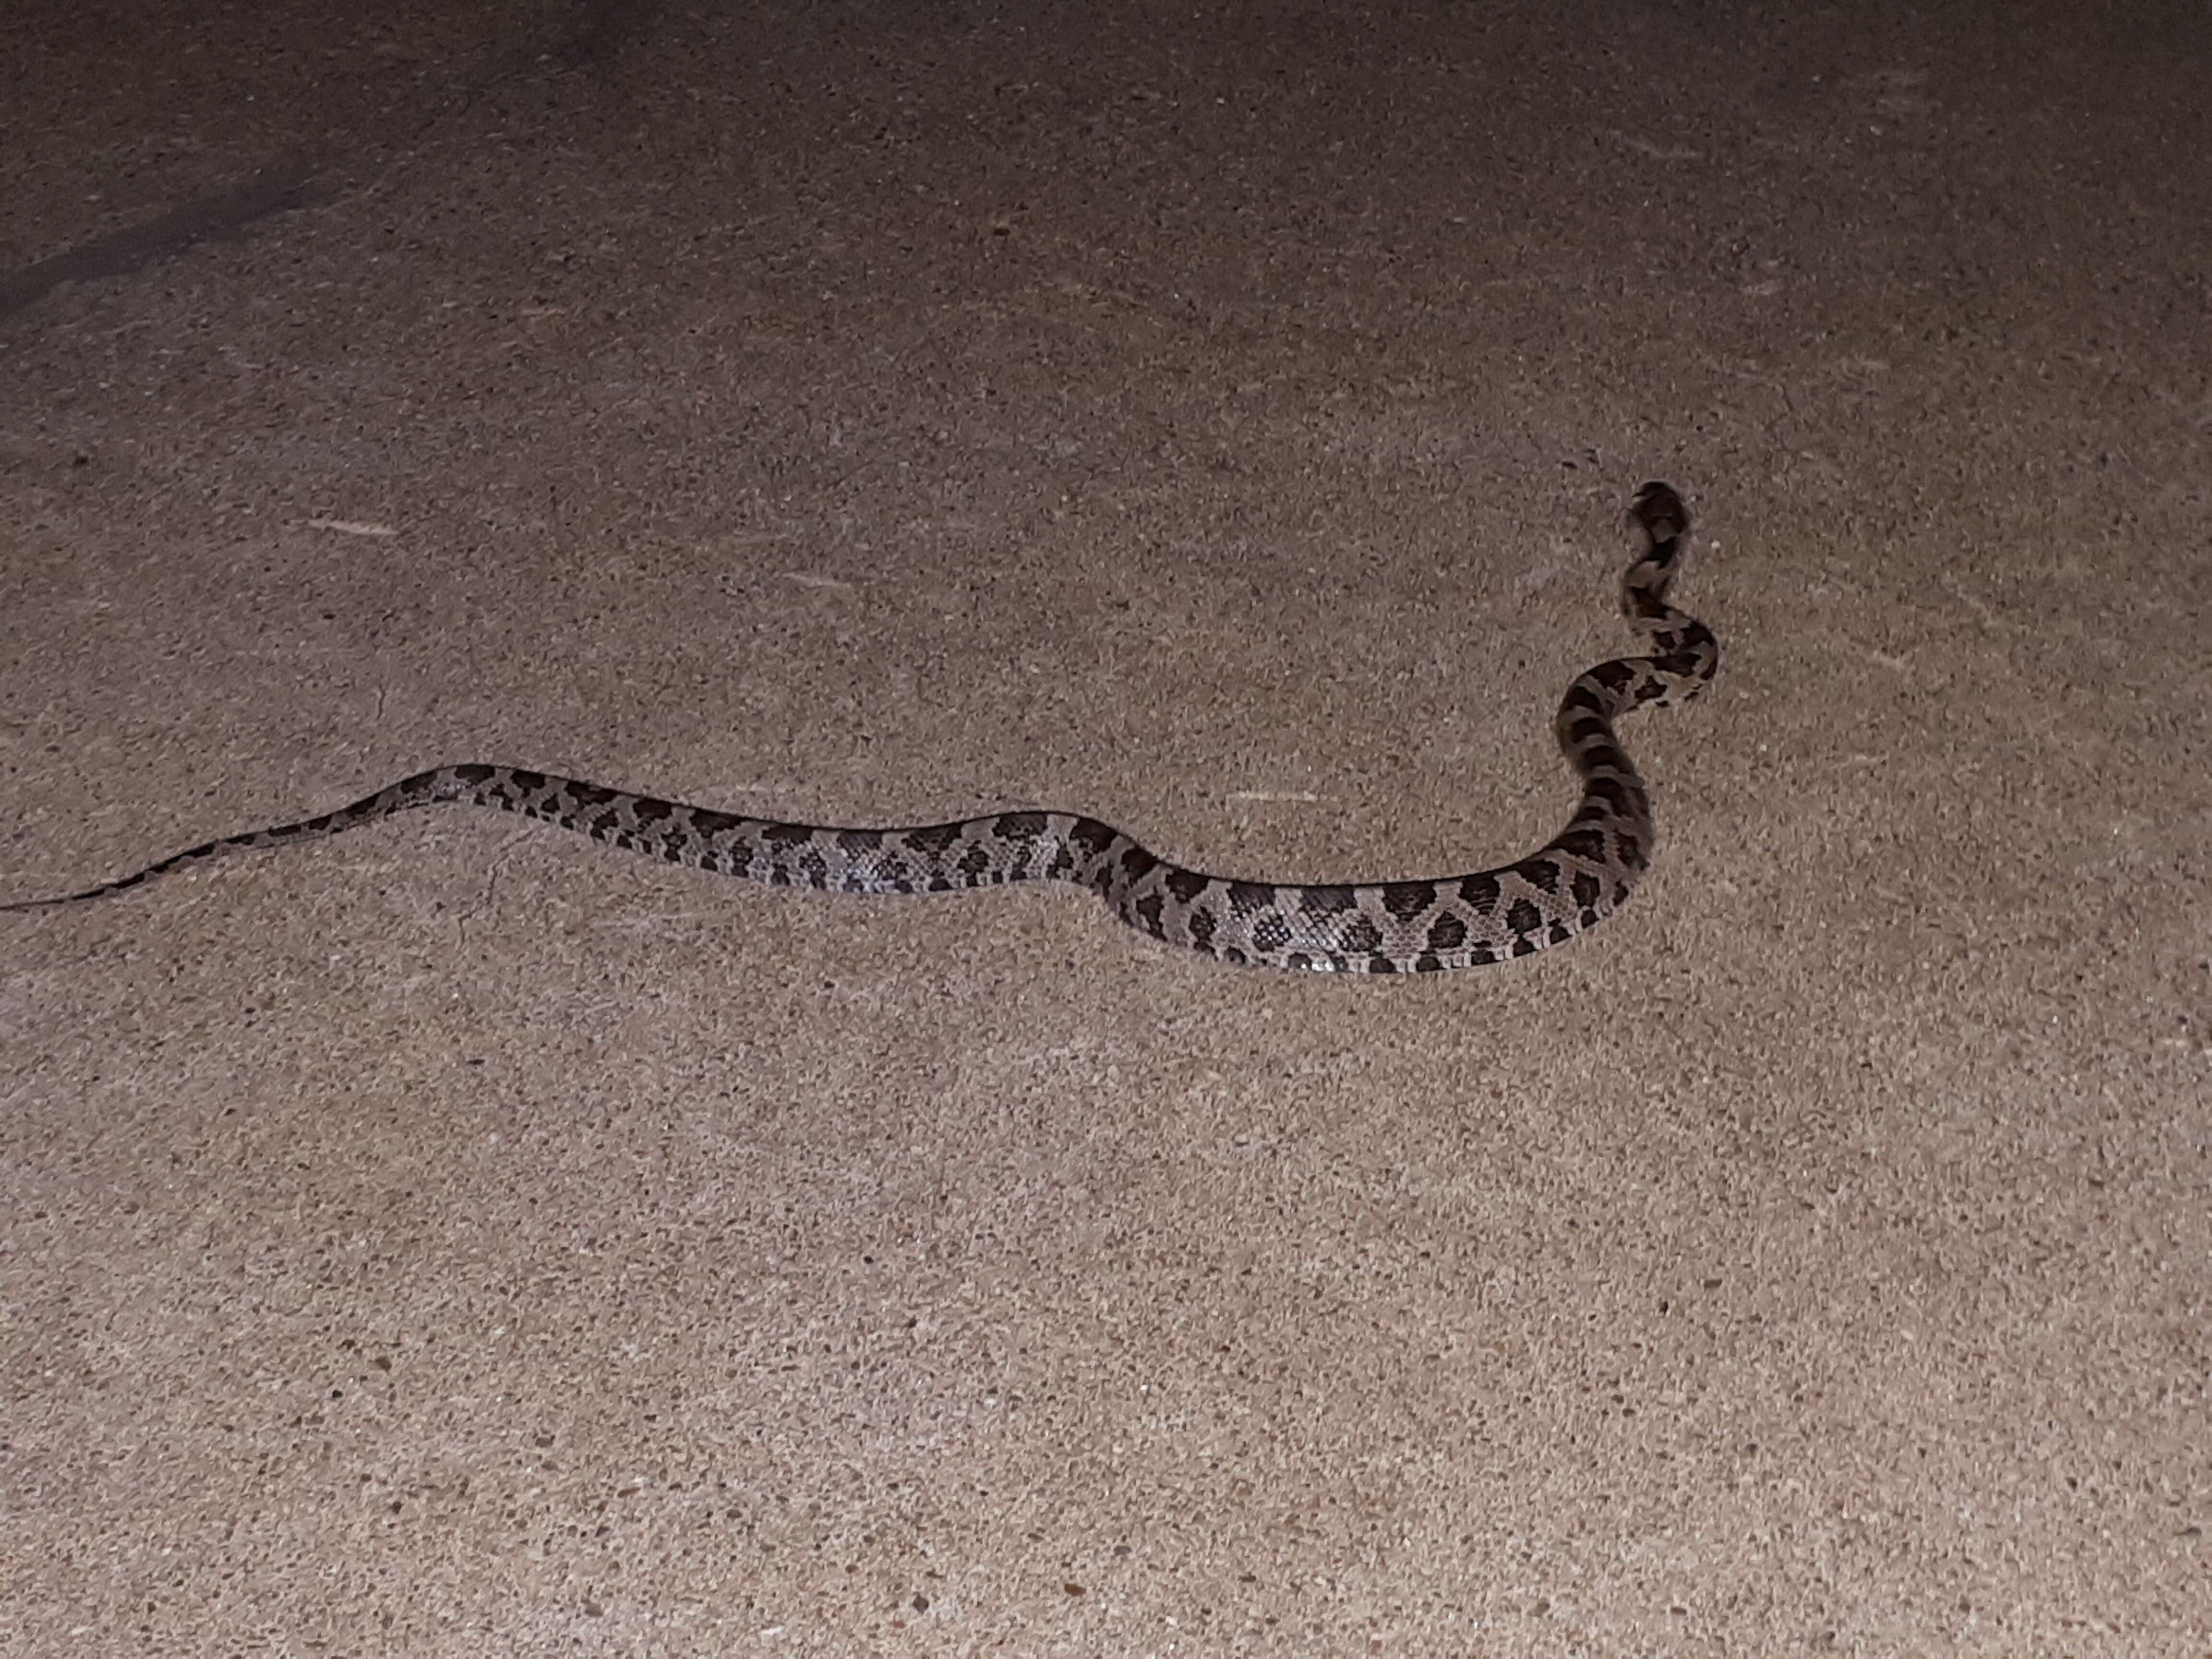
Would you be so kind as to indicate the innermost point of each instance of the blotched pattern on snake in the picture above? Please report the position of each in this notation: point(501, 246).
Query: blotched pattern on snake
point(1565, 887)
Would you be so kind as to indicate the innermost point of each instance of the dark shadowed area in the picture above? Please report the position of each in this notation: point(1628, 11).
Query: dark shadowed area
point(453, 1238)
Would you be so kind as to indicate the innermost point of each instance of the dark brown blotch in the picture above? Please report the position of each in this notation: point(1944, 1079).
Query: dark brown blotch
point(1587, 842)
point(1540, 873)
point(1185, 885)
point(1091, 838)
point(1447, 933)
point(1361, 936)
point(1248, 898)
point(1482, 892)
point(1407, 899)
point(935, 840)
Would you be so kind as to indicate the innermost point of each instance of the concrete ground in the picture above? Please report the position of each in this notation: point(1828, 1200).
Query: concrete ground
point(457, 1238)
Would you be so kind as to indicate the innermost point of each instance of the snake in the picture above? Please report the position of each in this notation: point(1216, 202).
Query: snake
point(1565, 887)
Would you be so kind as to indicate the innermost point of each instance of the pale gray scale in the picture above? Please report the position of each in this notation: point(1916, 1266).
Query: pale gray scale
point(1582, 875)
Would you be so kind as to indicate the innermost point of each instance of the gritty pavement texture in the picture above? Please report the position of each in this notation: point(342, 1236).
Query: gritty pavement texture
point(457, 1238)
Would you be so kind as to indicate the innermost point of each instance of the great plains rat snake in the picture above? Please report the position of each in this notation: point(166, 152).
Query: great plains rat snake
point(1577, 879)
